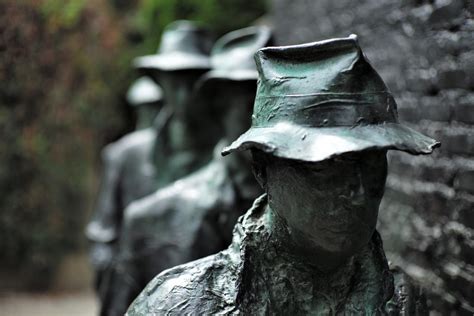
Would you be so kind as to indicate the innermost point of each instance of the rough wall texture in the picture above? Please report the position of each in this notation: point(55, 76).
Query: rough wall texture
point(424, 50)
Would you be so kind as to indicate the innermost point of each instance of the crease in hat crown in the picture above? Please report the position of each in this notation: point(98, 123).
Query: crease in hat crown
point(331, 78)
point(143, 91)
point(321, 99)
point(184, 45)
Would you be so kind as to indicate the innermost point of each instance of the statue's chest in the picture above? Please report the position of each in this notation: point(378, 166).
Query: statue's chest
point(281, 290)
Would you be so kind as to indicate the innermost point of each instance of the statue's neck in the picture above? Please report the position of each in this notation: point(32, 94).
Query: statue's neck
point(285, 270)
point(360, 283)
point(179, 136)
point(296, 245)
point(144, 121)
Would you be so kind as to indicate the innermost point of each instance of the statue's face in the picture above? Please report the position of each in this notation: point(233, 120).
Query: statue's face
point(332, 205)
point(178, 87)
point(234, 103)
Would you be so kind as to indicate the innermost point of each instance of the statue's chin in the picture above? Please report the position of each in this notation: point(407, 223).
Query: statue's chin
point(329, 251)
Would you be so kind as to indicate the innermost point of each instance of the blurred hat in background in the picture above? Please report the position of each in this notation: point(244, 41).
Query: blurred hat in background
point(232, 60)
point(232, 56)
point(144, 91)
point(184, 45)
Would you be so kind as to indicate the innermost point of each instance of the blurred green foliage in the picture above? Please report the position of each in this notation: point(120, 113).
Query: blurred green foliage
point(64, 68)
point(67, 12)
point(221, 16)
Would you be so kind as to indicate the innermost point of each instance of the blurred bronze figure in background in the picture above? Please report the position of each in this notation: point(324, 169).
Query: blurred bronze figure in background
point(194, 216)
point(128, 174)
point(322, 123)
point(180, 145)
point(183, 145)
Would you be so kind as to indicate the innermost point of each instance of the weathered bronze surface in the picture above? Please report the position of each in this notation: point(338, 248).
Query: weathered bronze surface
point(194, 217)
point(128, 174)
point(258, 275)
point(323, 121)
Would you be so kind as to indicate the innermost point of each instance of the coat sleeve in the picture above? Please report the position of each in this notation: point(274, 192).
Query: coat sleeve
point(105, 223)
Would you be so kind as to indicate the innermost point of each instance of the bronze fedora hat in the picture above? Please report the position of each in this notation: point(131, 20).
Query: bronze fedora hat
point(144, 91)
point(184, 45)
point(318, 100)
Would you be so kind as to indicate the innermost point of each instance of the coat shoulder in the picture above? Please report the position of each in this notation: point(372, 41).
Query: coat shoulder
point(186, 289)
point(188, 190)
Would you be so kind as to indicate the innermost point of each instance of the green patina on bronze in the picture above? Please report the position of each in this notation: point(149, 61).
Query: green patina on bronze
point(318, 100)
point(257, 276)
point(323, 121)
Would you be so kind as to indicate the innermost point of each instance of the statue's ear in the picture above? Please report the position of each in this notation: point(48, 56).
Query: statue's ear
point(259, 168)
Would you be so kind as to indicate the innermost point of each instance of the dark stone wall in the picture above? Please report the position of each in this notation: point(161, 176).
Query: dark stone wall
point(424, 50)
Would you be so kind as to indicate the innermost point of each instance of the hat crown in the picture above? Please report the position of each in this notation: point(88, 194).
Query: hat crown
point(327, 83)
point(236, 50)
point(185, 37)
point(144, 90)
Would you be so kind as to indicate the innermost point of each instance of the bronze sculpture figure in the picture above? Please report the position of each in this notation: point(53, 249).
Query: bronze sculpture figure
point(194, 216)
point(128, 175)
point(182, 146)
point(323, 121)
point(181, 59)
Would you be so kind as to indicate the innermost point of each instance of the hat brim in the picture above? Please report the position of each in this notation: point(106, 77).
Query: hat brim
point(289, 141)
point(172, 62)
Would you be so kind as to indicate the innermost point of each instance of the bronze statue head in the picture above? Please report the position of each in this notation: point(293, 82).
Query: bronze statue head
point(329, 207)
point(322, 122)
point(182, 57)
